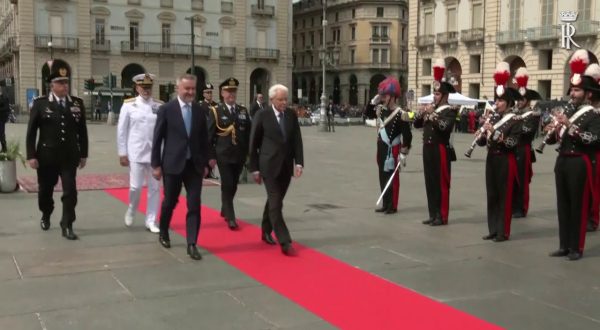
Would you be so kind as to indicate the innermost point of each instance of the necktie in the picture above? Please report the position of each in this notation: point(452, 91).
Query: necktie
point(232, 110)
point(187, 118)
point(62, 103)
point(282, 124)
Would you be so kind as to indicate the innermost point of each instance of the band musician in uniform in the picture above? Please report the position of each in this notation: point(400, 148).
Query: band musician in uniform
point(437, 121)
point(500, 133)
point(393, 139)
point(62, 147)
point(593, 70)
point(134, 143)
point(525, 155)
point(229, 127)
point(577, 132)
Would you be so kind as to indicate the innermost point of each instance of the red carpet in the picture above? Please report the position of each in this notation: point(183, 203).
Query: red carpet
point(341, 294)
point(89, 182)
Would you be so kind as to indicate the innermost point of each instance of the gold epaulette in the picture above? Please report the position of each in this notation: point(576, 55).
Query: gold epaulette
point(129, 100)
point(230, 130)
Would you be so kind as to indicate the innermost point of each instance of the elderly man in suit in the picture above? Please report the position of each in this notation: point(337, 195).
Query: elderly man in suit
point(180, 155)
point(275, 155)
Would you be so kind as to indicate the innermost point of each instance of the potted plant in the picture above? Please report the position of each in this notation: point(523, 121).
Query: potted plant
point(8, 166)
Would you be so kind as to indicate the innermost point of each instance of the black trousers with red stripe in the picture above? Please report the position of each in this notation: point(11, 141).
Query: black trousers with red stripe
point(500, 175)
point(524, 174)
point(436, 168)
point(573, 175)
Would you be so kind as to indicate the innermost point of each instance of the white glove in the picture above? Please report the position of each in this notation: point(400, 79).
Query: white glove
point(375, 100)
point(402, 159)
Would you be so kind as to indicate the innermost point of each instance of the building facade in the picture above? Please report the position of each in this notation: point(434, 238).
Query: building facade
point(474, 35)
point(365, 41)
point(95, 38)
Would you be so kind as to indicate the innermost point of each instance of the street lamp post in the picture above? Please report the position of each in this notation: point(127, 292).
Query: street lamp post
point(323, 117)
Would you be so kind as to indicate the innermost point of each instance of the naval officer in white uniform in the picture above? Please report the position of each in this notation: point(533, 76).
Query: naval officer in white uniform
point(134, 142)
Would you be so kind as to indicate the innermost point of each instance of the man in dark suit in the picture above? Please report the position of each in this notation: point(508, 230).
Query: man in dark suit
point(257, 105)
point(61, 147)
point(229, 131)
point(180, 155)
point(4, 113)
point(275, 155)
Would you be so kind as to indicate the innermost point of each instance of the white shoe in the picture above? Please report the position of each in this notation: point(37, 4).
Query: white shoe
point(128, 218)
point(153, 228)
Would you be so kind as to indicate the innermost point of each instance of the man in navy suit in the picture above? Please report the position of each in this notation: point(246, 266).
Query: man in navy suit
point(181, 154)
point(275, 155)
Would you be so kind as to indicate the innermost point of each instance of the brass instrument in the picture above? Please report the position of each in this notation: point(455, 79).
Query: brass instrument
point(553, 115)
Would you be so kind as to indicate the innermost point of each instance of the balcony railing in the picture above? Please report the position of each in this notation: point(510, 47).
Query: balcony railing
point(471, 35)
point(510, 37)
point(586, 28)
point(158, 48)
point(67, 43)
point(227, 52)
point(262, 54)
point(262, 11)
point(376, 39)
point(446, 38)
point(425, 40)
point(100, 45)
point(9, 47)
point(550, 32)
point(226, 7)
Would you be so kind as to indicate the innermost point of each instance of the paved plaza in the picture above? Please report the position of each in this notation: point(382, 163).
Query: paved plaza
point(120, 278)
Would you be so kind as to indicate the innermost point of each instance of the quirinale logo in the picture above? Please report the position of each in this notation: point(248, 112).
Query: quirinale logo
point(567, 29)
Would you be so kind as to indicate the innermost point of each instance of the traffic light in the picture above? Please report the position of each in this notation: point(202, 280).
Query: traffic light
point(89, 84)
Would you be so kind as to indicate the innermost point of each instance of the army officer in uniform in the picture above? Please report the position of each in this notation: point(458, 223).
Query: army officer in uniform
point(134, 143)
point(62, 147)
point(228, 131)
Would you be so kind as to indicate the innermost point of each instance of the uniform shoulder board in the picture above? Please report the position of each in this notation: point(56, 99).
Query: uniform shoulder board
point(41, 97)
point(75, 98)
point(129, 100)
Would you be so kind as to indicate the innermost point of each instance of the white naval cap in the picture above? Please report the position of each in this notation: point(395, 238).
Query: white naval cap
point(144, 79)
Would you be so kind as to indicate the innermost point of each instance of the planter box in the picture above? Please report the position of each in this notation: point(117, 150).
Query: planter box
point(8, 176)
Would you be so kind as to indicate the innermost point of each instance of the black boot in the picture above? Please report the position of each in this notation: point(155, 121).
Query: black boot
point(68, 233)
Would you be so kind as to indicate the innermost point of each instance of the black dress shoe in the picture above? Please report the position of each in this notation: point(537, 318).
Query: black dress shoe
point(288, 249)
point(390, 211)
point(590, 227)
point(499, 238)
point(437, 222)
point(232, 224)
point(164, 241)
point(559, 253)
point(192, 251)
point(574, 255)
point(45, 222)
point(267, 238)
point(380, 210)
point(517, 215)
point(428, 221)
point(68, 233)
point(488, 237)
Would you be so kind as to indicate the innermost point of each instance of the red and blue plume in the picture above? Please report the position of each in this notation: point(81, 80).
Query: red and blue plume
point(439, 67)
point(501, 76)
point(389, 86)
point(521, 79)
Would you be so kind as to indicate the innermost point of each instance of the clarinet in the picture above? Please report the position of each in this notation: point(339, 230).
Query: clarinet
point(480, 131)
point(540, 148)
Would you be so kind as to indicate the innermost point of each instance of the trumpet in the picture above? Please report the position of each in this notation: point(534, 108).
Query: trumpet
point(480, 131)
point(553, 116)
